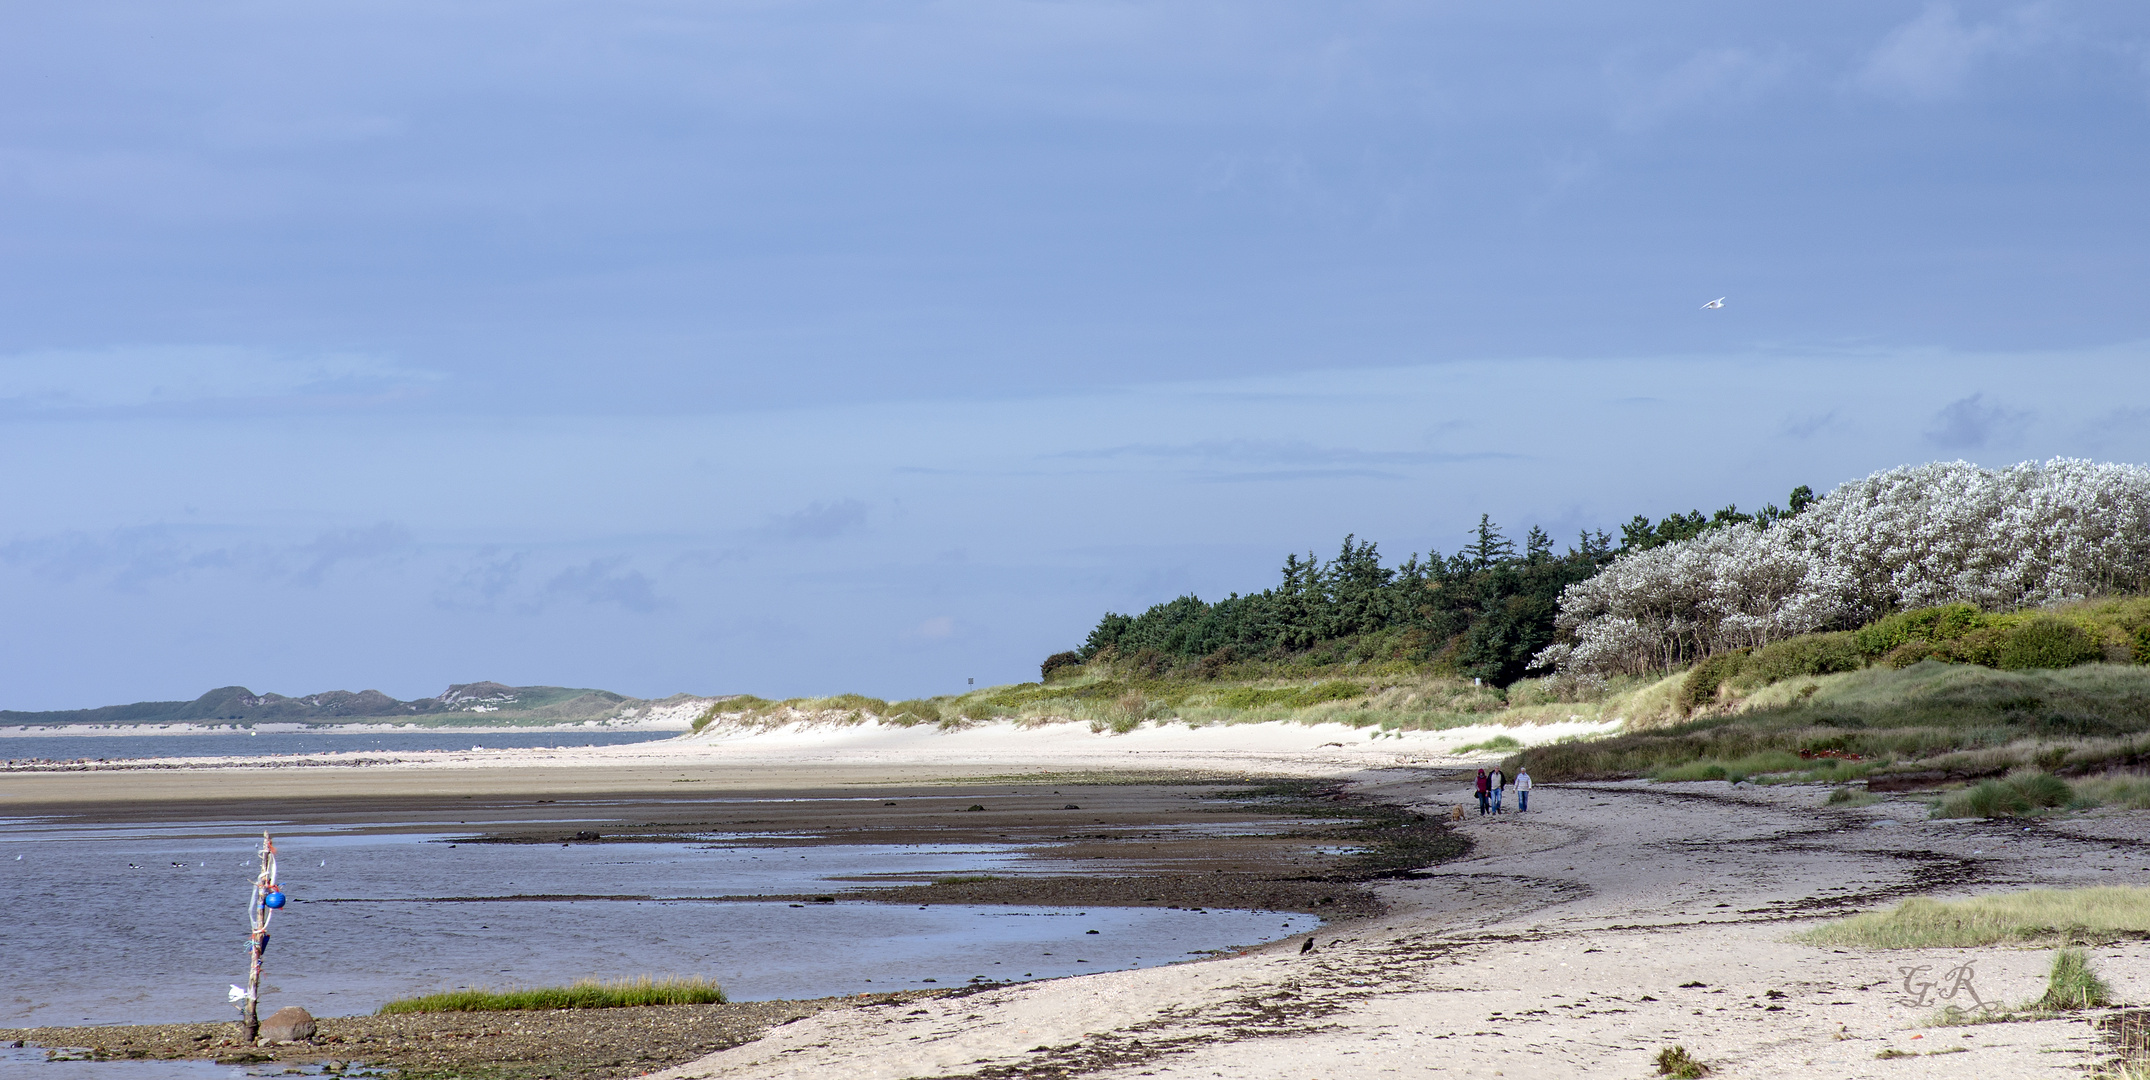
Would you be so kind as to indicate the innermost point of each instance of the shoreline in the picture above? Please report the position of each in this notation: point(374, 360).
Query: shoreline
point(1612, 921)
point(1283, 748)
point(1139, 861)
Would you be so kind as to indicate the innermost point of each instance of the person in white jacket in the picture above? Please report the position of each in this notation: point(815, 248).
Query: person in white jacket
point(1498, 785)
point(1522, 789)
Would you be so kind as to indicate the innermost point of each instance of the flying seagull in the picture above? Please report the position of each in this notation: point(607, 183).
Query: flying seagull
point(1717, 303)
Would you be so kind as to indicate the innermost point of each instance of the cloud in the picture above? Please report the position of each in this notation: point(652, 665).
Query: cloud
point(132, 558)
point(179, 376)
point(349, 545)
point(129, 558)
point(480, 585)
point(1806, 427)
point(1972, 423)
point(598, 582)
point(1708, 81)
point(1933, 55)
point(819, 521)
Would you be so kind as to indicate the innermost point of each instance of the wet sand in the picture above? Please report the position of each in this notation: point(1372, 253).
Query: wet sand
point(1187, 841)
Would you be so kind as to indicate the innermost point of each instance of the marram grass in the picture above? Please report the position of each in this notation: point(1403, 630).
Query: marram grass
point(586, 994)
point(2032, 916)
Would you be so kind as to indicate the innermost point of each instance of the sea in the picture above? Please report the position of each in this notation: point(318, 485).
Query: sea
point(147, 923)
point(15, 748)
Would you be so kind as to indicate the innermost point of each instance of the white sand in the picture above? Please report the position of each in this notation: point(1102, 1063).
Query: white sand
point(1536, 956)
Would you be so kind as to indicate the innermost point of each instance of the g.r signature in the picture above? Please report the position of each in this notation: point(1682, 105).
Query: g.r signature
point(1955, 982)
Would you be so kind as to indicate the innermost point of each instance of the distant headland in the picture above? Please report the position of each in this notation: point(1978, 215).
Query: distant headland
point(485, 702)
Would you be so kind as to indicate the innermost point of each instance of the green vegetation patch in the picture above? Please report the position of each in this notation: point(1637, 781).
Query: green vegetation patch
point(2072, 984)
point(1290, 697)
point(587, 994)
point(2023, 793)
point(1963, 721)
point(2032, 916)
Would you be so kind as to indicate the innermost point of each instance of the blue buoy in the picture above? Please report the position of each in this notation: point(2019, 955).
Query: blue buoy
point(273, 900)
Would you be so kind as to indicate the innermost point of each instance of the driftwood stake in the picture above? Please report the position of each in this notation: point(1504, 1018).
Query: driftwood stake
point(259, 910)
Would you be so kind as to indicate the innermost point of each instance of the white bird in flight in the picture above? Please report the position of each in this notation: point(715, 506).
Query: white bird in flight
point(1717, 303)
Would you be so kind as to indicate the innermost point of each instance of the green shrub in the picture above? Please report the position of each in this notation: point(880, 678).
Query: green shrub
point(1807, 654)
point(1057, 662)
point(1935, 624)
point(1851, 796)
point(587, 994)
point(2047, 642)
point(1700, 686)
point(2071, 984)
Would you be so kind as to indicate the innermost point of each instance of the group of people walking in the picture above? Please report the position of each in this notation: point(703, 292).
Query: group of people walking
point(1491, 784)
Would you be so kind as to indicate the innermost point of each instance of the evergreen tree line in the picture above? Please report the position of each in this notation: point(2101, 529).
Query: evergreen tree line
point(1482, 612)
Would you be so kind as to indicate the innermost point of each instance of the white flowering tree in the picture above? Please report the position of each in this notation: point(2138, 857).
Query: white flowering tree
point(1915, 536)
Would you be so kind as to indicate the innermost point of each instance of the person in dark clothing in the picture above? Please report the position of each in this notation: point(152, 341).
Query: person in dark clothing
point(1485, 791)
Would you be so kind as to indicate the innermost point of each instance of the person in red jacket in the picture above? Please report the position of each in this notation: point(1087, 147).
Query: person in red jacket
point(1485, 791)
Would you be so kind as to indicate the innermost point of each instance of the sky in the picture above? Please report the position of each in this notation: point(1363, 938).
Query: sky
point(813, 347)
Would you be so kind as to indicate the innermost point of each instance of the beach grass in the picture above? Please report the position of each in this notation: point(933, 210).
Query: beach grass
point(2072, 984)
point(585, 994)
point(2028, 917)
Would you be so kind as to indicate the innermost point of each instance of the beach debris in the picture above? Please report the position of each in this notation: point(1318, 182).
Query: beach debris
point(268, 896)
point(974, 807)
point(1070, 806)
point(288, 1024)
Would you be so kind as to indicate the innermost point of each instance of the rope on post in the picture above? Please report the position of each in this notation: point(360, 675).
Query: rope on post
point(262, 907)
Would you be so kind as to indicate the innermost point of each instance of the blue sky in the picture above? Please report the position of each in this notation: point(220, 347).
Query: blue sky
point(806, 347)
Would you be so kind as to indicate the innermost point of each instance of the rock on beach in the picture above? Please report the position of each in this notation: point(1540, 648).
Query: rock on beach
point(288, 1024)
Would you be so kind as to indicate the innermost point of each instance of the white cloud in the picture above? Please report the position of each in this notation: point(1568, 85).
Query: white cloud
point(1708, 81)
point(1933, 55)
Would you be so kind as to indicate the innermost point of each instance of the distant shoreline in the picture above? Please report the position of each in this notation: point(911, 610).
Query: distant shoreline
point(479, 727)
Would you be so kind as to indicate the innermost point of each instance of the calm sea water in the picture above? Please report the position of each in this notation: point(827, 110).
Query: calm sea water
point(241, 744)
point(148, 924)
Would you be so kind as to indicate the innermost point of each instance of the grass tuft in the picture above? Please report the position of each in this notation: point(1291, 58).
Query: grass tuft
point(2032, 916)
point(2023, 793)
point(586, 994)
point(2071, 984)
point(1851, 796)
point(1676, 1062)
point(1496, 743)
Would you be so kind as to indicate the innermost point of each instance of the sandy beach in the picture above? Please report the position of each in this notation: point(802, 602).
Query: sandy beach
point(1580, 939)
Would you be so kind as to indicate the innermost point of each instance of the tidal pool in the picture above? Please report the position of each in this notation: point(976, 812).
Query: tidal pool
point(148, 924)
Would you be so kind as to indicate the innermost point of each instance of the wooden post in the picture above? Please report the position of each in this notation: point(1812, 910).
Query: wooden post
point(258, 914)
